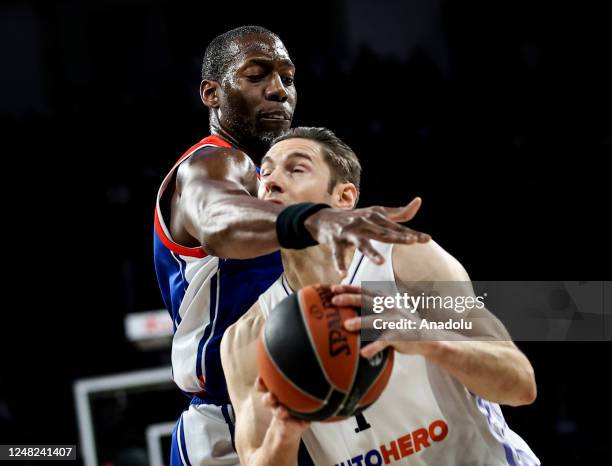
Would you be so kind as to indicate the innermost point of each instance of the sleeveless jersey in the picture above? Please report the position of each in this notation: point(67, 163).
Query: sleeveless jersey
point(423, 417)
point(204, 295)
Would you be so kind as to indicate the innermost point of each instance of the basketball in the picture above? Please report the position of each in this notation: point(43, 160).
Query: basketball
point(312, 364)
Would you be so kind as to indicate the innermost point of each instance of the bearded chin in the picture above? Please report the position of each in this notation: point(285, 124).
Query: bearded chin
point(266, 137)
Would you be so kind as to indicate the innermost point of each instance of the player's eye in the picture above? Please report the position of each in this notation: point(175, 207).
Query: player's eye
point(255, 77)
point(288, 81)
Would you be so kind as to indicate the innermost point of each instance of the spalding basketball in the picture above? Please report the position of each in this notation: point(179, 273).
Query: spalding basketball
point(312, 364)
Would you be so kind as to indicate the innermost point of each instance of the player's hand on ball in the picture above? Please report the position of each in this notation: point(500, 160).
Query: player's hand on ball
point(289, 423)
point(338, 229)
point(403, 341)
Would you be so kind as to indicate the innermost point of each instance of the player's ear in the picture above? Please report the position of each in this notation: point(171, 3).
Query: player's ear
point(209, 92)
point(345, 195)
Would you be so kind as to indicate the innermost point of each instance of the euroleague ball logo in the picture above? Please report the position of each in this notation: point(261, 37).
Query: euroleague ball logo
point(337, 339)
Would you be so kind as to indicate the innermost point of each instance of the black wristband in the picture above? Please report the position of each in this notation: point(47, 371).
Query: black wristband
point(290, 229)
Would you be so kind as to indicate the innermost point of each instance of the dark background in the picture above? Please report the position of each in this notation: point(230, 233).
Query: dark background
point(497, 113)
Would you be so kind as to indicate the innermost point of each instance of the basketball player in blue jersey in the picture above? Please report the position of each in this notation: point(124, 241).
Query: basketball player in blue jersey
point(216, 244)
point(441, 405)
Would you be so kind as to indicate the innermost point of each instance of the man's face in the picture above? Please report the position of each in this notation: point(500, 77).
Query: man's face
point(258, 97)
point(294, 170)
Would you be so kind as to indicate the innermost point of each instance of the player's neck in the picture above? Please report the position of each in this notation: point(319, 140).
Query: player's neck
point(312, 265)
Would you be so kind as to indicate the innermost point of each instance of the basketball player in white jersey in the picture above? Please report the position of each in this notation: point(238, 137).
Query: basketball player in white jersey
point(441, 406)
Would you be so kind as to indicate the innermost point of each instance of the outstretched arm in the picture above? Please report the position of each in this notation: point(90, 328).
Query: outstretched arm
point(214, 206)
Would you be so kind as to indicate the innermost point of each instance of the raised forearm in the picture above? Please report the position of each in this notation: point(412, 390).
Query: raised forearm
point(238, 227)
point(496, 371)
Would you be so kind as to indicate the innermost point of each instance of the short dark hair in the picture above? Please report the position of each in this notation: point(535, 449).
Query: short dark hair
point(342, 161)
point(218, 57)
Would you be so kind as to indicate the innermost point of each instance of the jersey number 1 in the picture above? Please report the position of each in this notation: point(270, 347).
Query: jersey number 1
point(362, 424)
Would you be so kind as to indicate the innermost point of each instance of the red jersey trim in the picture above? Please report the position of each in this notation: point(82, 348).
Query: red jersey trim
point(160, 227)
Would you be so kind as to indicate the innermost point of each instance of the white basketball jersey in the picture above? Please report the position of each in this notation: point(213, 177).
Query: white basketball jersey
point(423, 417)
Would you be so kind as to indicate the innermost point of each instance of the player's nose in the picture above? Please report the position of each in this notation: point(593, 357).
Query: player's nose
point(271, 186)
point(272, 183)
point(276, 90)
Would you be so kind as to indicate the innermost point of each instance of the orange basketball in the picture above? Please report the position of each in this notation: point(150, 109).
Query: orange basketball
point(312, 364)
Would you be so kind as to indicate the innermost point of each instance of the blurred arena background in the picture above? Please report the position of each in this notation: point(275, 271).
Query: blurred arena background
point(497, 113)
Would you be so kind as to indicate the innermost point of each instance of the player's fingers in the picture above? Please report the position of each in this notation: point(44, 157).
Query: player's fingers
point(282, 413)
point(406, 213)
point(347, 299)
point(381, 233)
point(340, 289)
point(355, 289)
point(423, 237)
point(267, 401)
point(375, 347)
point(339, 258)
point(368, 250)
point(358, 300)
point(270, 400)
point(380, 218)
point(361, 323)
point(409, 236)
point(353, 324)
point(260, 385)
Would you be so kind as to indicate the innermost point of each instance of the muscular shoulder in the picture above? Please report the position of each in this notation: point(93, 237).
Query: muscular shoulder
point(426, 262)
point(217, 164)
